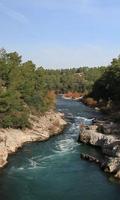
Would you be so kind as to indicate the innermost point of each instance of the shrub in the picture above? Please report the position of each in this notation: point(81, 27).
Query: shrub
point(15, 120)
point(90, 102)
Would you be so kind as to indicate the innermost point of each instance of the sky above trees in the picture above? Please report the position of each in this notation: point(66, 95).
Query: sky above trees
point(61, 33)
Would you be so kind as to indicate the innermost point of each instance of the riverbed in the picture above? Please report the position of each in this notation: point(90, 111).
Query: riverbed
point(53, 170)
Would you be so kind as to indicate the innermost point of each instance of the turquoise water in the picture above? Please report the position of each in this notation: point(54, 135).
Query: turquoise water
point(53, 170)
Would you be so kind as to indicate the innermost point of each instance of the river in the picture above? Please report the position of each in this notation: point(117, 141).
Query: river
point(53, 170)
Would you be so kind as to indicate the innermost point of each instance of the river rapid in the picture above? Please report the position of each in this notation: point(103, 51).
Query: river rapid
point(53, 170)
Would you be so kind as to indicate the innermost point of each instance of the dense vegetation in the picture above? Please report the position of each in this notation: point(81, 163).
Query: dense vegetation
point(106, 90)
point(107, 87)
point(73, 80)
point(22, 91)
point(25, 89)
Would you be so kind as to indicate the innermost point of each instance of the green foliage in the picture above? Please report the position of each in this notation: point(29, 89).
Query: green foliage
point(16, 120)
point(108, 86)
point(22, 91)
point(25, 89)
point(80, 80)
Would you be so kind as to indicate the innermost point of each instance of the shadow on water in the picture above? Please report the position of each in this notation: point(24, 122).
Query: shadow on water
point(53, 170)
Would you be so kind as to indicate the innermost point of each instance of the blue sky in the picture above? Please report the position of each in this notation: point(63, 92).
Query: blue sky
point(61, 33)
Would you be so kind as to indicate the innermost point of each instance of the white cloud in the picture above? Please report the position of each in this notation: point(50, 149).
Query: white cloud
point(19, 17)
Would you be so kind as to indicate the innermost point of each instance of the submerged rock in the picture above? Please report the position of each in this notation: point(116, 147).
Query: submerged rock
point(90, 158)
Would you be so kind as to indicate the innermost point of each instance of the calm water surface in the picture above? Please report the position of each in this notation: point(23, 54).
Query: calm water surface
point(53, 170)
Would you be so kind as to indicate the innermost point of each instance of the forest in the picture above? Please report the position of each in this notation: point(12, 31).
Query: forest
point(107, 87)
point(73, 79)
point(106, 90)
point(22, 91)
point(26, 89)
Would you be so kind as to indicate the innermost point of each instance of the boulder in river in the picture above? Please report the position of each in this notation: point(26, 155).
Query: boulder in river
point(109, 145)
point(90, 158)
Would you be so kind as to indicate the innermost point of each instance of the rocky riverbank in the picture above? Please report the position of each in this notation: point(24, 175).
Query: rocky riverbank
point(43, 128)
point(106, 136)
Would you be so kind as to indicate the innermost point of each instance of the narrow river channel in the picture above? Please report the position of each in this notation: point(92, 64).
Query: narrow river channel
point(53, 170)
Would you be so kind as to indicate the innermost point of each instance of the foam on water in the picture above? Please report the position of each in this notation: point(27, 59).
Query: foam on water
point(53, 169)
point(61, 148)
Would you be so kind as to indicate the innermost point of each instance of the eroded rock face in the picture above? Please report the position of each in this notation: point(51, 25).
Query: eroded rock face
point(109, 144)
point(43, 127)
point(93, 137)
point(112, 165)
point(112, 149)
point(109, 128)
point(117, 175)
point(3, 155)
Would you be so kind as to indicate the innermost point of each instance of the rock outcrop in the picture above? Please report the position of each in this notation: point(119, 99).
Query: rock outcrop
point(109, 144)
point(90, 158)
point(43, 127)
